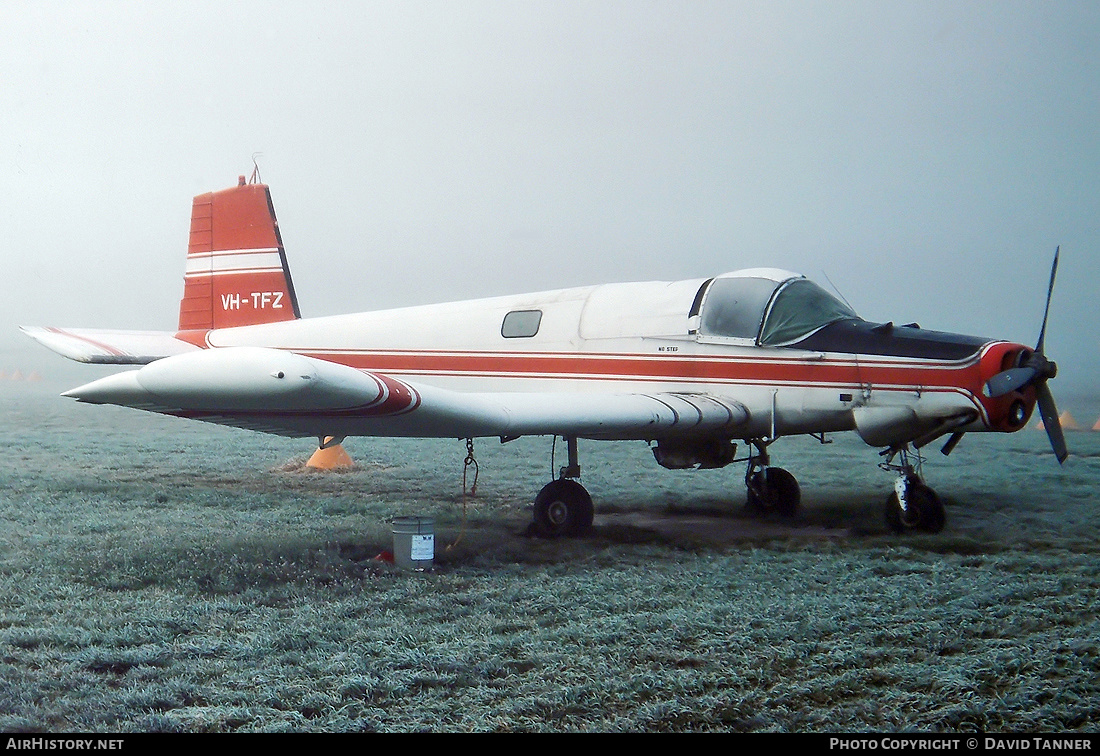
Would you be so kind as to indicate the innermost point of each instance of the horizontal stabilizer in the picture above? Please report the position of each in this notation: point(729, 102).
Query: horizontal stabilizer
point(103, 347)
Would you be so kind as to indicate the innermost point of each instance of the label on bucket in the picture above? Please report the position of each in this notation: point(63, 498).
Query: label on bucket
point(423, 547)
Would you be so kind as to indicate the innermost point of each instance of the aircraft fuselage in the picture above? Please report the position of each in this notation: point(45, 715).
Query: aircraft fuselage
point(886, 382)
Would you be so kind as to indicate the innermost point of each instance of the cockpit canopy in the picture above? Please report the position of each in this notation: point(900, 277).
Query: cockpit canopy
point(766, 307)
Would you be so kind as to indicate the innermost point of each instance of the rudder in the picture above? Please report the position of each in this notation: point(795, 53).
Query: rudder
point(237, 272)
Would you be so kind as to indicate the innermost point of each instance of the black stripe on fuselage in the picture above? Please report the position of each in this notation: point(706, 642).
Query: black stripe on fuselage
point(861, 337)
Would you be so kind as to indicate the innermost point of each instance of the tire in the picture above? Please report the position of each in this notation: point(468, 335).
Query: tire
point(563, 508)
point(925, 511)
point(774, 490)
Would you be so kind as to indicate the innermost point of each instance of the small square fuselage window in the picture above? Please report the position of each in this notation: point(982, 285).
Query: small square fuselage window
point(521, 324)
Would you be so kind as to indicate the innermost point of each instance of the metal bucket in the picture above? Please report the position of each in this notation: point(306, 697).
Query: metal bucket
point(413, 542)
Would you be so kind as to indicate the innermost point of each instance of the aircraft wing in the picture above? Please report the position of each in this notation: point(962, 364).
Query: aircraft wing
point(290, 394)
point(106, 347)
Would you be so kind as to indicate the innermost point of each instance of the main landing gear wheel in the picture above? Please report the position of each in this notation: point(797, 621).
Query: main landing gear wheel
point(923, 510)
point(773, 489)
point(563, 508)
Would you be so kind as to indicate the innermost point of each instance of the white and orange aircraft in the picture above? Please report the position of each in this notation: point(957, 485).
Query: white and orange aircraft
point(689, 367)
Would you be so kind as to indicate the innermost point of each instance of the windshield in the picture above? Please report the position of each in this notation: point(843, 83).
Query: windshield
point(801, 308)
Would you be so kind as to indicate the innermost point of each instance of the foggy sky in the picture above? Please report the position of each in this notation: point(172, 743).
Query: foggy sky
point(927, 156)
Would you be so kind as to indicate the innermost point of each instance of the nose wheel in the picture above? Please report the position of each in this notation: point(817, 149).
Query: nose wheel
point(913, 506)
point(919, 508)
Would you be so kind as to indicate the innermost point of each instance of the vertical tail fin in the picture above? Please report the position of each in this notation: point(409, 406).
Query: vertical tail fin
point(237, 273)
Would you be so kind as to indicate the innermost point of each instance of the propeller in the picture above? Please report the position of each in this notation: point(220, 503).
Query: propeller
point(1035, 370)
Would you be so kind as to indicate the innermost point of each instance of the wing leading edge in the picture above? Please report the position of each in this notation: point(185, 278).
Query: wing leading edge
point(290, 394)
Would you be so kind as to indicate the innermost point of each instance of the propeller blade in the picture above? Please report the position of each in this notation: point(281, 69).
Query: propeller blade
point(1051, 422)
point(1050, 291)
point(1009, 380)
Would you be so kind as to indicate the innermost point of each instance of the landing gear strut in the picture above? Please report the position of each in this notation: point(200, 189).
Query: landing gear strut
point(912, 505)
point(770, 489)
point(563, 507)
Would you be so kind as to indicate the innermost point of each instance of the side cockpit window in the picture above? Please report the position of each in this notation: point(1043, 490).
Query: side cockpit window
point(521, 324)
point(734, 307)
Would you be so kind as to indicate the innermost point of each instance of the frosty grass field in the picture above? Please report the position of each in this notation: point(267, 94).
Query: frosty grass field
point(157, 574)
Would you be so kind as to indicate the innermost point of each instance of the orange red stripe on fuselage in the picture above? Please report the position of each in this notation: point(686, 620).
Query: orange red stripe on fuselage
point(900, 373)
point(847, 373)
